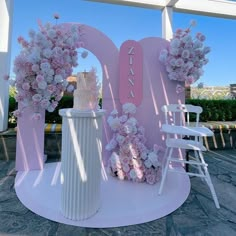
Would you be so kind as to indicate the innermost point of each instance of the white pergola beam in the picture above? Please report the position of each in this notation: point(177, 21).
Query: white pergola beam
point(217, 8)
point(6, 12)
point(155, 4)
point(171, 3)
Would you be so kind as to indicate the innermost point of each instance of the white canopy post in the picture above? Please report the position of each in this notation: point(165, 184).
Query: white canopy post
point(6, 13)
point(167, 29)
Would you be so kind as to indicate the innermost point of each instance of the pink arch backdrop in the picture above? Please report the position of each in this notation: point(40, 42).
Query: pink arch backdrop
point(156, 91)
point(157, 88)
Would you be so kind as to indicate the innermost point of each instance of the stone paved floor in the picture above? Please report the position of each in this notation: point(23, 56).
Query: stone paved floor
point(197, 216)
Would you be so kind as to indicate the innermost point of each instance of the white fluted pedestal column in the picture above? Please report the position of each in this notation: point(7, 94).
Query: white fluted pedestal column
point(81, 162)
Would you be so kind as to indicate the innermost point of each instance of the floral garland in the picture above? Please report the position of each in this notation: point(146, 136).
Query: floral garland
point(43, 65)
point(130, 158)
point(185, 57)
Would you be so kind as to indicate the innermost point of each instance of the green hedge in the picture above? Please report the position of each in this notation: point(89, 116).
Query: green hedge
point(12, 107)
point(65, 102)
point(51, 117)
point(213, 110)
point(54, 117)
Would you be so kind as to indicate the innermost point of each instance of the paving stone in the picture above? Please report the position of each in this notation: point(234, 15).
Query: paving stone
point(197, 216)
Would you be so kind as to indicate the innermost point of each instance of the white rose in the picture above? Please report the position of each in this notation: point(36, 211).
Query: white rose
point(129, 108)
point(133, 174)
point(148, 163)
point(42, 85)
point(58, 78)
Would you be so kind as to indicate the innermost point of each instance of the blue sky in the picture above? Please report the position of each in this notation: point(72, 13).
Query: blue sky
point(121, 23)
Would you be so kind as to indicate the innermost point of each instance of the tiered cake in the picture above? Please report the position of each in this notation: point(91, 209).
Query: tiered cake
point(86, 93)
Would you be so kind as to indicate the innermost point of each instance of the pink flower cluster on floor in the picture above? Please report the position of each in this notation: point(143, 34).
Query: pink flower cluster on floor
point(43, 65)
point(185, 57)
point(130, 158)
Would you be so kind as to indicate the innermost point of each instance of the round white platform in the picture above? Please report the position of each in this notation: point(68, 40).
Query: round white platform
point(123, 202)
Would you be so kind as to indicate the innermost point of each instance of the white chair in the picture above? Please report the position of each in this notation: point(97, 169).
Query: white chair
point(180, 135)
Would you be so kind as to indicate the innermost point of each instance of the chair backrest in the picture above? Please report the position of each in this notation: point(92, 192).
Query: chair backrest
point(179, 114)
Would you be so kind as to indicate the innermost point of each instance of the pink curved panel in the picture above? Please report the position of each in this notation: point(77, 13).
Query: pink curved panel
point(108, 55)
point(157, 91)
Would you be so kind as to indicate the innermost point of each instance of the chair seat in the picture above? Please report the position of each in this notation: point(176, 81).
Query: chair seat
point(185, 144)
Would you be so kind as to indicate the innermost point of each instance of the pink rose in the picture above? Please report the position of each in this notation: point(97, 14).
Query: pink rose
point(17, 113)
point(179, 62)
point(139, 173)
point(44, 103)
point(179, 88)
point(125, 149)
point(126, 168)
point(200, 37)
point(35, 68)
point(151, 179)
point(54, 104)
point(125, 160)
point(24, 44)
point(190, 79)
point(134, 151)
point(39, 78)
point(37, 97)
point(123, 118)
point(20, 39)
point(51, 88)
point(59, 32)
point(35, 103)
point(121, 174)
point(26, 86)
point(34, 84)
point(137, 162)
point(36, 116)
point(19, 97)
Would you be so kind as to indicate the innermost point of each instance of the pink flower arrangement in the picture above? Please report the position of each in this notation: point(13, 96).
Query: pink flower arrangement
point(185, 57)
point(130, 158)
point(43, 65)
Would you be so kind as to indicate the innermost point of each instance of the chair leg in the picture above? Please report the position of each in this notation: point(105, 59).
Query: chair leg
point(165, 169)
point(209, 182)
point(197, 156)
point(164, 161)
point(187, 159)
